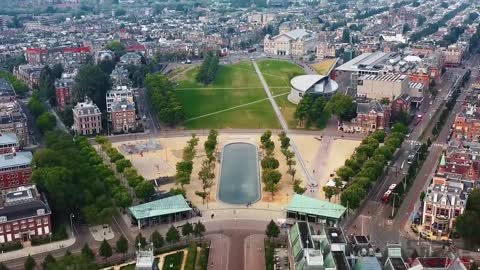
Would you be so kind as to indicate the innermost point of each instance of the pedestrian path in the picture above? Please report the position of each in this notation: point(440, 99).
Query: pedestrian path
point(33, 250)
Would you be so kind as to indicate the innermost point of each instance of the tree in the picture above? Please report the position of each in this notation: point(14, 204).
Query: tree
point(49, 260)
point(406, 28)
point(346, 35)
point(422, 196)
point(87, 252)
point(198, 229)
point(107, 66)
point(269, 162)
point(4, 267)
point(400, 128)
point(329, 192)
point(46, 84)
point(122, 164)
point(122, 245)
point(117, 47)
point(187, 229)
point(29, 263)
point(467, 226)
point(164, 101)
point(123, 199)
point(105, 250)
point(156, 239)
point(272, 230)
point(46, 122)
point(172, 235)
point(271, 178)
point(92, 82)
point(36, 106)
point(144, 190)
point(139, 239)
point(345, 173)
point(473, 201)
point(57, 71)
point(297, 188)
point(352, 196)
point(342, 106)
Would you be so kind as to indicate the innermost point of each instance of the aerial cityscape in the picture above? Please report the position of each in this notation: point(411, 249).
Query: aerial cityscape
point(240, 134)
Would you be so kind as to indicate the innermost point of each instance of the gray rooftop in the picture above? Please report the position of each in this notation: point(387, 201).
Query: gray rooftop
point(15, 159)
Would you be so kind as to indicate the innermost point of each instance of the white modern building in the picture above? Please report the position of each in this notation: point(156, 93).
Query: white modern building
point(318, 85)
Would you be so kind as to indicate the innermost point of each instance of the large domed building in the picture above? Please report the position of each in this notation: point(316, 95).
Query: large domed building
point(318, 85)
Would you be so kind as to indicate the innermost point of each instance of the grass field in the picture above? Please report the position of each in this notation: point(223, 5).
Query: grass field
point(241, 75)
point(173, 261)
point(279, 74)
point(234, 85)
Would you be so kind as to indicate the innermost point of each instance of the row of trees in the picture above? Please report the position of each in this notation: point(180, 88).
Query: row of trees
point(185, 167)
point(433, 27)
point(208, 69)
point(75, 179)
point(143, 189)
point(452, 36)
point(364, 167)
point(449, 107)
point(475, 40)
point(290, 161)
point(44, 120)
point(206, 173)
point(164, 101)
point(270, 175)
point(316, 110)
point(19, 87)
point(46, 83)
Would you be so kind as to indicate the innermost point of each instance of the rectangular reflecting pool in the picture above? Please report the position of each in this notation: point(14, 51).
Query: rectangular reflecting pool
point(239, 175)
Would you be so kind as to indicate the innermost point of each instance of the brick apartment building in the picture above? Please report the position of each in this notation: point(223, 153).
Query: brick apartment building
point(87, 118)
point(62, 92)
point(466, 126)
point(15, 169)
point(123, 117)
point(24, 213)
point(371, 116)
point(36, 56)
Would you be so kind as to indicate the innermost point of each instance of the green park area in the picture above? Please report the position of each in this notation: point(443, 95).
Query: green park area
point(278, 74)
point(173, 261)
point(235, 99)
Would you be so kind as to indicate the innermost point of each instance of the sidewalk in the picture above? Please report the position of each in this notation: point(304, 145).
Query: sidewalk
point(33, 250)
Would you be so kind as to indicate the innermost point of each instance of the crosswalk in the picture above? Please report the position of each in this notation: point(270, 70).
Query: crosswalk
point(413, 142)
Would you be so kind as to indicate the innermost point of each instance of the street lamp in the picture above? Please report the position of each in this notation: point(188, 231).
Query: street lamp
point(393, 208)
point(71, 223)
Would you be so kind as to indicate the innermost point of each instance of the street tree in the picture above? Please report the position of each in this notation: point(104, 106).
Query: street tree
point(30, 263)
point(272, 230)
point(352, 196)
point(341, 106)
point(297, 188)
point(187, 229)
point(47, 261)
point(122, 245)
point(271, 178)
point(87, 252)
point(198, 229)
point(46, 122)
point(105, 250)
point(345, 173)
point(116, 47)
point(157, 239)
point(329, 192)
point(144, 190)
point(269, 162)
point(467, 226)
point(172, 235)
point(92, 82)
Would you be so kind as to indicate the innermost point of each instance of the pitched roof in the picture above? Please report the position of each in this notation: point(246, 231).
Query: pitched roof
point(304, 204)
point(170, 205)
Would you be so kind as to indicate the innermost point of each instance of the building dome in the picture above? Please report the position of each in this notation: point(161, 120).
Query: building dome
point(319, 85)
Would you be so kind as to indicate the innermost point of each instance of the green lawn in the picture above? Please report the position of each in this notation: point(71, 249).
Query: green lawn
point(241, 75)
point(257, 115)
point(234, 85)
point(128, 267)
point(173, 261)
point(279, 73)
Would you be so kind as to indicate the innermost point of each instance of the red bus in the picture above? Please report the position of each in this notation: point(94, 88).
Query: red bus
point(386, 196)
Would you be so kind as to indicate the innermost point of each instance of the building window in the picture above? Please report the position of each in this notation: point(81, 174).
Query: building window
point(39, 221)
point(45, 220)
point(7, 228)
